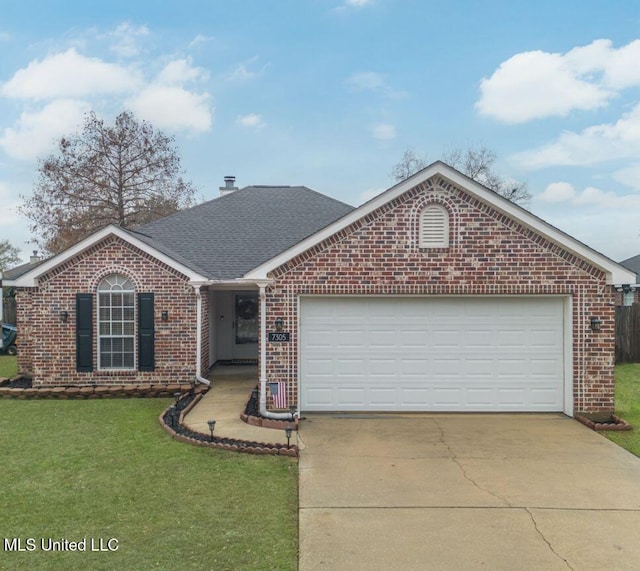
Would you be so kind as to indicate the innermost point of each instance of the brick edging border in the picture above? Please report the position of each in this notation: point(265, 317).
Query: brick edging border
point(261, 422)
point(620, 423)
point(239, 446)
point(95, 391)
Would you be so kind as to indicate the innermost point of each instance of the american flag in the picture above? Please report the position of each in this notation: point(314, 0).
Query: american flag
point(279, 394)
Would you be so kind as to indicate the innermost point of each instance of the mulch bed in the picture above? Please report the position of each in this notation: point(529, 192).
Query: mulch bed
point(612, 423)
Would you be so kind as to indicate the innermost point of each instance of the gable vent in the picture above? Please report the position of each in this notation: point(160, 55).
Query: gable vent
point(434, 227)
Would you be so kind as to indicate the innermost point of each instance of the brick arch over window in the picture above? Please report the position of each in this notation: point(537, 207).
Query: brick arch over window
point(433, 227)
point(98, 277)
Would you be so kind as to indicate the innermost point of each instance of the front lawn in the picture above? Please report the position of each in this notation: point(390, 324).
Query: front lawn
point(8, 366)
point(628, 406)
point(103, 469)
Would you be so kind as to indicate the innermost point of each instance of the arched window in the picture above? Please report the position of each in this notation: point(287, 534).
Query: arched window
point(434, 227)
point(116, 323)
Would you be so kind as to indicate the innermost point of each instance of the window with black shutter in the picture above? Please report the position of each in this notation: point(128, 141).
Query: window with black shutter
point(146, 332)
point(84, 332)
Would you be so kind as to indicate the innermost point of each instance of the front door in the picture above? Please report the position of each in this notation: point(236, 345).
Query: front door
point(236, 325)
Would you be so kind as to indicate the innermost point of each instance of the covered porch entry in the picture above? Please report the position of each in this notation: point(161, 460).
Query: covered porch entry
point(233, 325)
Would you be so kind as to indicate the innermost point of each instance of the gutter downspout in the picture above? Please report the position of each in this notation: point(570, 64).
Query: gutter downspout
point(199, 376)
point(263, 360)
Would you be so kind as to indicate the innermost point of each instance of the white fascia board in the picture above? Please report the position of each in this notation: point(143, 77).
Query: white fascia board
point(30, 279)
point(616, 274)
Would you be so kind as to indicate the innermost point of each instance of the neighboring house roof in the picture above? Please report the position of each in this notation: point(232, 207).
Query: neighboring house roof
point(230, 235)
point(16, 272)
point(616, 274)
point(633, 264)
point(221, 239)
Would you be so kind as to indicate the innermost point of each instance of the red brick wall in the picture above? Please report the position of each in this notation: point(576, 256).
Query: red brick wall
point(488, 254)
point(47, 346)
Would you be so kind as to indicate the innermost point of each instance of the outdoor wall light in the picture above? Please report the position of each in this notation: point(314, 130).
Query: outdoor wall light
point(288, 431)
point(212, 427)
point(595, 324)
point(64, 316)
point(279, 323)
point(164, 316)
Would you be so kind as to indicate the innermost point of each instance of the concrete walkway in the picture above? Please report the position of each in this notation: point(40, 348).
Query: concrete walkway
point(231, 387)
point(465, 492)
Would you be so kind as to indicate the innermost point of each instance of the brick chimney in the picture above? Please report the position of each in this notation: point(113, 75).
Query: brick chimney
point(229, 185)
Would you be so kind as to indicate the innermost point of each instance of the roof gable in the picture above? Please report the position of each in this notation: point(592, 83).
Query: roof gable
point(616, 274)
point(30, 277)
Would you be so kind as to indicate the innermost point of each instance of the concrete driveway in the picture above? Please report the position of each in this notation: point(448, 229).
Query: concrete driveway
point(477, 491)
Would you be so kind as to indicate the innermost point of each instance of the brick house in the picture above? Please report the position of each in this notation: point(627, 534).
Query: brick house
point(437, 295)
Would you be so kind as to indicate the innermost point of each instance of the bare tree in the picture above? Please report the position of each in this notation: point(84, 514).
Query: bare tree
point(127, 173)
point(409, 164)
point(477, 164)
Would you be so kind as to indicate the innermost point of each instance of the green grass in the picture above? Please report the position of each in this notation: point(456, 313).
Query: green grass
point(105, 469)
point(628, 406)
point(8, 366)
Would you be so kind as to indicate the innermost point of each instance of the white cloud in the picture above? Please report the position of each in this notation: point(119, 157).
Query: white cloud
point(36, 133)
point(127, 39)
point(366, 81)
point(622, 70)
point(252, 120)
point(536, 84)
point(5, 36)
point(173, 108)
point(564, 192)
point(383, 132)
point(374, 82)
point(532, 85)
point(244, 72)
point(69, 74)
point(357, 3)
point(596, 144)
point(199, 39)
point(604, 220)
point(557, 192)
point(180, 71)
point(629, 176)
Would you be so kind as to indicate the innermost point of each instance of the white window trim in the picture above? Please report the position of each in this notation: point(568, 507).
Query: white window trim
point(135, 324)
point(439, 237)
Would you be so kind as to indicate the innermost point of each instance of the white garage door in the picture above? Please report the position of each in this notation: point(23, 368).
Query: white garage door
point(431, 354)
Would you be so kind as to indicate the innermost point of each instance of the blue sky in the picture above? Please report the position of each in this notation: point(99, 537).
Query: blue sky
point(329, 94)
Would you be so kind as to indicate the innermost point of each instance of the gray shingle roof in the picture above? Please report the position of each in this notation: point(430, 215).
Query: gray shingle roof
point(17, 271)
point(633, 264)
point(230, 235)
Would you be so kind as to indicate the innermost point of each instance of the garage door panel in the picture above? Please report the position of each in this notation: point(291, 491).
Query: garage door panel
point(350, 368)
point(383, 368)
point(384, 353)
point(349, 338)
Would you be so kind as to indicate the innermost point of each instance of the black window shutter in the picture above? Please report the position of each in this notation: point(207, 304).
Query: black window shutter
point(146, 333)
point(84, 332)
